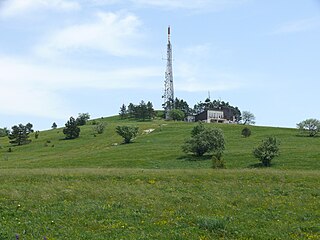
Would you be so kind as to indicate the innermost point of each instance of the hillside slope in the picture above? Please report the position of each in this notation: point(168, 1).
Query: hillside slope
point(159, 149)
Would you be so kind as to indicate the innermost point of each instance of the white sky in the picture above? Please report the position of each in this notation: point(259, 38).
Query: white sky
point(59, 58)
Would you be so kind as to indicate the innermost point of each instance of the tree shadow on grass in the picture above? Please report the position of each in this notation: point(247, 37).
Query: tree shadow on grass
point(306, 136)
point(191, 157)
point(259, 165)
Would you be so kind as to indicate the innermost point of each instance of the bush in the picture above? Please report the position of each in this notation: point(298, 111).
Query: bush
point(36, 135)
point(212, 224)
point(310, 126)
point(127, 132)
point(205, 140)
point(217, 163)
point(197, 129)
point(246, 132)
point(267, 150)
point(99, 128)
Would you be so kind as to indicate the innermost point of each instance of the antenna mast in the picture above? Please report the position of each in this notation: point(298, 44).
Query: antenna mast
point(168, 83)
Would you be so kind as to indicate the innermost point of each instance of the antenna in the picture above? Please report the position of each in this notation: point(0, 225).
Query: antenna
point(168, 83)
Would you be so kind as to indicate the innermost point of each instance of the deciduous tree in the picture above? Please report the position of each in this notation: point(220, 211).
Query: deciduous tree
point(248, 118)
point(176, 115)
point(82, 119)
point(310, 126)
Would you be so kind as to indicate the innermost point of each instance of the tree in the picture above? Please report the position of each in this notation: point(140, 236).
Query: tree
point(4, 132)
point(182, 105)
point(131, 110)
point(248, 118)
point(206, 140)
point(82, 119)
point(150, 110)
point(246, 132)
point(141, 111)
point(54, 125)
point(29, 127)
point(176, 115)
point(311, 126)
point(71, 130)
point(267, 150)
point(123, 111)
point(127, 132)
point(19, 135)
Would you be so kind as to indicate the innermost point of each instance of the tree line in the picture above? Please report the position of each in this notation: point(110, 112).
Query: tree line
point(142, 111)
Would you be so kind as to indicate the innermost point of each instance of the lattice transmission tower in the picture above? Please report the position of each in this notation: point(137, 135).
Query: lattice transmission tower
point(168, 83)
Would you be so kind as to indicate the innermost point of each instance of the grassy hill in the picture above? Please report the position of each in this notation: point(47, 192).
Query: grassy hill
point(160, 149)
point(94, 187)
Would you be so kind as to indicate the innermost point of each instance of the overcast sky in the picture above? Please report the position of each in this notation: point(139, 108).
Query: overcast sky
point(59, 58)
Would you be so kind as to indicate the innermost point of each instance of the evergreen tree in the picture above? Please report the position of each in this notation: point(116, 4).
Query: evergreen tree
point(54, 125)
point(71, 130)
point(20, 134)
point(131, 110)
point(182, 105)
point(123, 111)
point(29, 127)
point(150, 110)
point(141, 111)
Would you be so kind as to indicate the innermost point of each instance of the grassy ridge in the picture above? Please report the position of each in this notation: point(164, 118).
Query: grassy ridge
point(90, 188)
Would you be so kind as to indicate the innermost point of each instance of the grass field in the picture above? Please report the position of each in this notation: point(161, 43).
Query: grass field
point(92, 188)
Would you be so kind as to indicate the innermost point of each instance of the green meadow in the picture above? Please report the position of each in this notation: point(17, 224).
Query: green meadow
point(94, 187)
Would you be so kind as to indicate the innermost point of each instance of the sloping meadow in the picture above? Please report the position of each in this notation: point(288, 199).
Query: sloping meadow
point(95, 187)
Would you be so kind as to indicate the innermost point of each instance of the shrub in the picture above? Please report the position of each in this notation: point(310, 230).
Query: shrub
point(212, 224)
point(197, 129)
point(36, 134)
point(267, 150)
point(217, 163)
point(246, 132)
point(127, 132)
point(99, 128)
point(205, 140)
